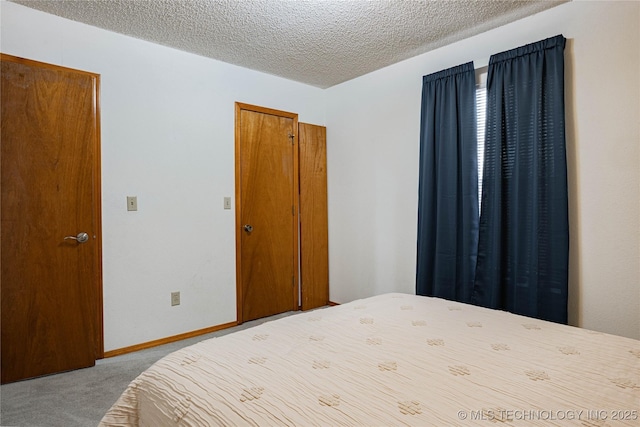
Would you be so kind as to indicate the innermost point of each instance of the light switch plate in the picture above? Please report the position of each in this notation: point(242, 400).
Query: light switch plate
point(227, 202)
point(175, 298)
point(132, 203)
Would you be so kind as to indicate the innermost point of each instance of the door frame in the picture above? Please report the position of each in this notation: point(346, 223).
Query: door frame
point(97, 197)
point(239, 107)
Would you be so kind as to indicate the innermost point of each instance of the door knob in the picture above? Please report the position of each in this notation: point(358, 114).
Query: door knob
point(248, 228)
point(80, 238)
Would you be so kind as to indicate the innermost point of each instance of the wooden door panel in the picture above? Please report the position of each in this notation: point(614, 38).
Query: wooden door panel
point(266, 197)
point(51, 289)
point(314, 238)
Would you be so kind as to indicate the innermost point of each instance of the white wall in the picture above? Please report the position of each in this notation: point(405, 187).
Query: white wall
point(373, 145)
point(168, 138)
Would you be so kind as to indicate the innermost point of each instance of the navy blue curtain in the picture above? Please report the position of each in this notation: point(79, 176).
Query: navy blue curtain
point(448, 186)
point(523, 248)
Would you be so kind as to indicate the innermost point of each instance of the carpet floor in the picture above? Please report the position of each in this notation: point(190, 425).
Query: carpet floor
point(80, 398)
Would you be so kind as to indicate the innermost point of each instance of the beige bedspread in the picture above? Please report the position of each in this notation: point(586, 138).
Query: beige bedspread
point(392, 360)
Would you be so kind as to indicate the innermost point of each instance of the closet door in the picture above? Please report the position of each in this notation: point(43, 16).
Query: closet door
point(266, 211)
point(314, 247)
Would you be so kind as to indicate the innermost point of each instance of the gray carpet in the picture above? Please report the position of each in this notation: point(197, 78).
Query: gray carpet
point(80, 398)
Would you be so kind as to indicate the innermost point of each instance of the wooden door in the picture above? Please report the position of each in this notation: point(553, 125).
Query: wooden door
point(314, 239)
point(266, 211)
point(51, 287)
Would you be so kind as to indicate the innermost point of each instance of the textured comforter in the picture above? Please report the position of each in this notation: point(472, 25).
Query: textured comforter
point(392, 360)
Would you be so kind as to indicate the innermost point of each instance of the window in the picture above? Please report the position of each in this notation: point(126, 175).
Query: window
point(481, 108)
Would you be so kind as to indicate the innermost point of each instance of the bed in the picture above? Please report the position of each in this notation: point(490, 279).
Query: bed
point(392, 360)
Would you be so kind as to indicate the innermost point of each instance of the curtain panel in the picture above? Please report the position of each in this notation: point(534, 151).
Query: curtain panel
point(523, 248)
point(448, 185)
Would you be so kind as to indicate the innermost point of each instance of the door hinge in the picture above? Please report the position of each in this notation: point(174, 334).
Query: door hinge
point(292, 136)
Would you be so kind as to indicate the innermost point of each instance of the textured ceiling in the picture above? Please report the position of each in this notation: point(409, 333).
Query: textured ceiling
point(318, 42)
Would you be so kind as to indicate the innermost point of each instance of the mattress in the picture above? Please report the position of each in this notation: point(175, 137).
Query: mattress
point(392, 360)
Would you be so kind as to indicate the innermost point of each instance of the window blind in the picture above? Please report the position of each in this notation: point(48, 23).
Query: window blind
point(481, 107)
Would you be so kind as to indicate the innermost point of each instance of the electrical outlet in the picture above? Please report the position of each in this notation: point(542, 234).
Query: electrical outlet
point(175, 298)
